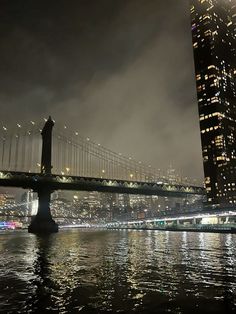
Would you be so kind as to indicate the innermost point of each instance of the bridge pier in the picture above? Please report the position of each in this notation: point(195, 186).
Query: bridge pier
point(43, 222)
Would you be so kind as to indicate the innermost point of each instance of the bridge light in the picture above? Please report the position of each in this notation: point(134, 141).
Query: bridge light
point(67, 169)
point(62, 172)
point(103, 171)
point(131, 175)
point(38, 164)
point(76, 133)
point(32, 122)
point(4, 128)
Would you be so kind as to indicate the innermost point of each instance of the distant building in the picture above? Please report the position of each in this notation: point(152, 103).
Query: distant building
point(214, 45)
point(7, 203)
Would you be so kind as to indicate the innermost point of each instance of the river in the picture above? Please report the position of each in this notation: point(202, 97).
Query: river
point(117, 271)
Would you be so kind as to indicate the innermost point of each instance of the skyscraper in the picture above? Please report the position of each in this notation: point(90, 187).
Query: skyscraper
point(214, 45)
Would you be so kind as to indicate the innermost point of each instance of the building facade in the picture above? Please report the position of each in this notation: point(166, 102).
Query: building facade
point(214, 46)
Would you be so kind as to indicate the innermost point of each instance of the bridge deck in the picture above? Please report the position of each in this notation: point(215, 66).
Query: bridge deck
point(35, 181)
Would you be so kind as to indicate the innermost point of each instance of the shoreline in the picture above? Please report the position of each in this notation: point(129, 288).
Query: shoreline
point(206, 230)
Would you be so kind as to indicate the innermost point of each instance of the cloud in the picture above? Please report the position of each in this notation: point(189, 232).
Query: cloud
point(119, 72)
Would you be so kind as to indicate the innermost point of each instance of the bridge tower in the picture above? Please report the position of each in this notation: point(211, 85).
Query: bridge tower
point(43, 222)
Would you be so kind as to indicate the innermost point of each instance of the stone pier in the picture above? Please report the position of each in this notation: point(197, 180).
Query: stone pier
point(43, 222)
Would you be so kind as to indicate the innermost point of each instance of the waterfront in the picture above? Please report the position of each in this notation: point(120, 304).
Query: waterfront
point(99, 271)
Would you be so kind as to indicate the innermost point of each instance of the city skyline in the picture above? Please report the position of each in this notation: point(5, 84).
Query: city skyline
point(86, 85)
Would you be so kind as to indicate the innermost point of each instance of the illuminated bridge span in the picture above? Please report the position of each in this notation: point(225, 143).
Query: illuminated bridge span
point(72, 154)
point(78, 164)
point(61, 182)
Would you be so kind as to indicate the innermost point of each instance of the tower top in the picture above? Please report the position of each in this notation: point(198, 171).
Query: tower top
point(49, 120)
point(48, 125)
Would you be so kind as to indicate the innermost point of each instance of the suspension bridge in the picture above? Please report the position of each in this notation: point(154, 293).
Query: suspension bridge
point(34, 157)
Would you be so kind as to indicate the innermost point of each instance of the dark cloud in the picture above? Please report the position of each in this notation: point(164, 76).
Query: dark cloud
point(120, 72)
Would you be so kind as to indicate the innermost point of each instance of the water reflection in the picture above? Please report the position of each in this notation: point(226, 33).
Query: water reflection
point(42, 283)
point(117, 271)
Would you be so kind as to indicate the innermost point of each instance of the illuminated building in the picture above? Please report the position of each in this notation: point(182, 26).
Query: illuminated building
point(2, 200)
point(214, 45)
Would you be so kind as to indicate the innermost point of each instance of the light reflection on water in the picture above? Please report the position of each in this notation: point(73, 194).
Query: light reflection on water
point(86, 271)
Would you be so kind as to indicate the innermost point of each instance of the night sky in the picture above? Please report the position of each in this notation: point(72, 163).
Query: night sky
point(119, 71)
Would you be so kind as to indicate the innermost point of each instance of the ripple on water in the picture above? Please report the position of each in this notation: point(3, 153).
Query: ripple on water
point(112, 271)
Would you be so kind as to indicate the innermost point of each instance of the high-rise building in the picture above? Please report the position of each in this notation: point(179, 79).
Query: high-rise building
point(214, 45)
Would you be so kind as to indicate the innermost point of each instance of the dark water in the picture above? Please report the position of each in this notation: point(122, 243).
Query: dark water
point(85, 271)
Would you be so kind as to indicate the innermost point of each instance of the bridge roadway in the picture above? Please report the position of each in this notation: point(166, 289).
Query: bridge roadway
point(53, 182)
